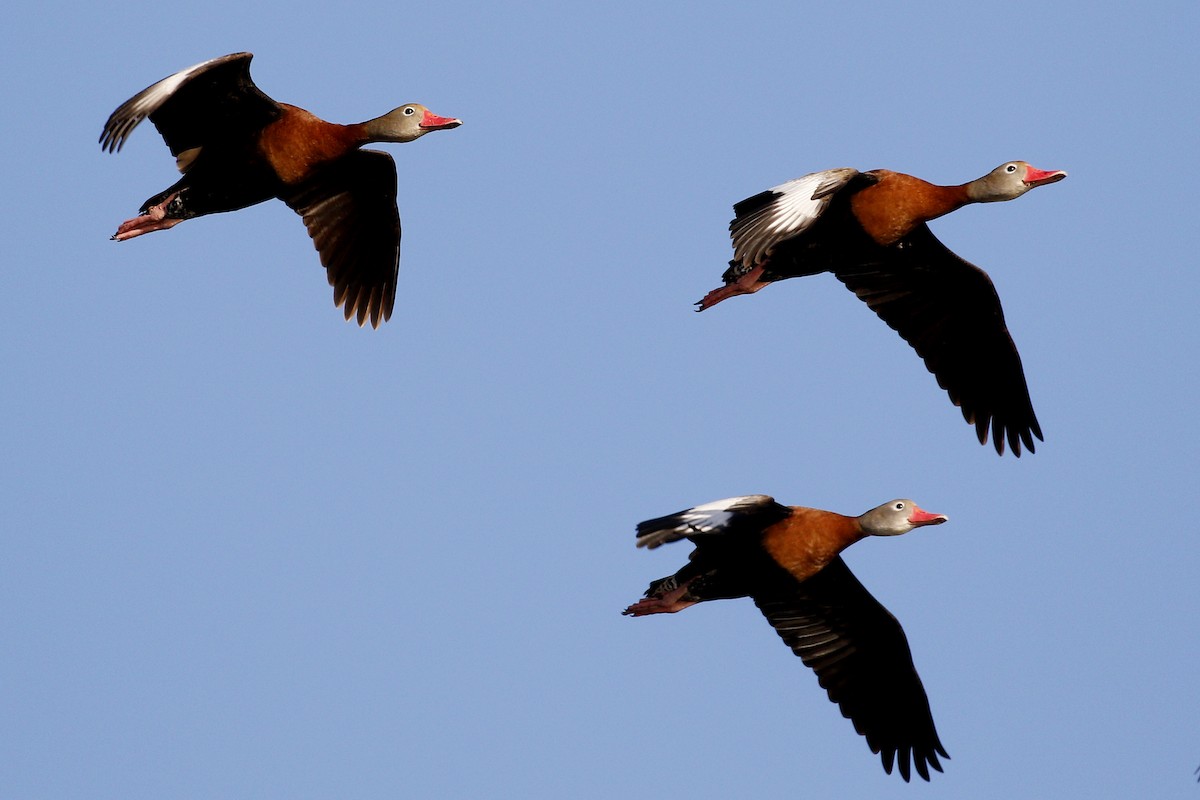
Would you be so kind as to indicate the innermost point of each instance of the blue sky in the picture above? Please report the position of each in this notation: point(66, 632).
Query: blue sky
point(254, 551)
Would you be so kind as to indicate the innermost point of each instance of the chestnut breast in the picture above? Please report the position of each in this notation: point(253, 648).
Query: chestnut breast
point(298, 141)
point(809, 539)
point(889, 209)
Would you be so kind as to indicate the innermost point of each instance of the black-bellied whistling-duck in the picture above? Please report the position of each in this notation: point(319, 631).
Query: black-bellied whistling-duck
point(236, 147)
point(786, 559)
point(868, 229)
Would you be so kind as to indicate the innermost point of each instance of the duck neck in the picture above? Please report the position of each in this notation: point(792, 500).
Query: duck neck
point(365, 132)
point(955, 197)
point(898, 203)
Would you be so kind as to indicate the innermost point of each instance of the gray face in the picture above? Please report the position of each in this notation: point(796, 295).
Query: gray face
point(403, 124)
point(896, 517)
point(1005, 182)
point(1010, 180)
point(889, 519)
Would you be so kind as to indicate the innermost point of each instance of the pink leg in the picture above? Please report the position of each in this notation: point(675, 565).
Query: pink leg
point(747, 284)
point(668, 603)
point(155, 219)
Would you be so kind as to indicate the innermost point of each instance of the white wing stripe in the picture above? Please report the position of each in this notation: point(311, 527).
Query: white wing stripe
point(713, 516)
point(791, 212)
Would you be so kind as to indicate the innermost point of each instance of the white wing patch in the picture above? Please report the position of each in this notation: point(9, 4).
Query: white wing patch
point(716, 515)
point(796, 205)
point(709, 518)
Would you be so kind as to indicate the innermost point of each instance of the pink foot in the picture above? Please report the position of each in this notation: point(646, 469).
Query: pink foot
point(668, 603)
point(746, 284)
point(155, 219)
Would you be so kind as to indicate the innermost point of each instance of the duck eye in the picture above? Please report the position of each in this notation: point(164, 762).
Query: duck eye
point(1010, 168)
point(408, 112)
point(899, 506)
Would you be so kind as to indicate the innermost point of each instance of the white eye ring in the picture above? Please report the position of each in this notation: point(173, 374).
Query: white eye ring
point(408, 112)
point(899, 506)
point(1010, 168)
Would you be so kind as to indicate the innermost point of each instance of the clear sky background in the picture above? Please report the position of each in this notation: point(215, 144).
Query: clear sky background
point(251, 550)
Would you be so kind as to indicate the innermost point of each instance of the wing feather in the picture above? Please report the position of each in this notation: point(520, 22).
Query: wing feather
point(950, 313)
point(192, 107)
point(782, 213)
point(719, 518)
point(862, 659)
point(350, 211)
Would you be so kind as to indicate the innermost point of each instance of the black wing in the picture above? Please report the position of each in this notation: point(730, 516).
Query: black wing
point(212, 100)
point(349, 208)
point(948, 310)
point(861, 658)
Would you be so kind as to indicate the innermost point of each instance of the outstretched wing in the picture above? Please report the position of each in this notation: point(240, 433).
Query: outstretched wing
point(349, 208)
point(948, 310)
point(861, 658)
point(191, 108)
point(720, 518)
